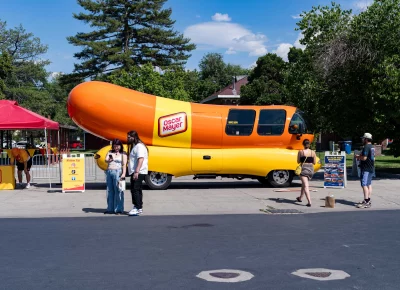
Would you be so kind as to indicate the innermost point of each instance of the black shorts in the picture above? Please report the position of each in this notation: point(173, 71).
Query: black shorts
point(20, 166)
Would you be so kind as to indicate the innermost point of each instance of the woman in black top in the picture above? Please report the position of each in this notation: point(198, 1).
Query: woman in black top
point(307, 158)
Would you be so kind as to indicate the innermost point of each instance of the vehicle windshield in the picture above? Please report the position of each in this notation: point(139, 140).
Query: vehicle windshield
point(299, 124)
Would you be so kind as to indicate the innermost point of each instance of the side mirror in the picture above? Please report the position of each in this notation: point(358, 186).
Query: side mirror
point(293, 129)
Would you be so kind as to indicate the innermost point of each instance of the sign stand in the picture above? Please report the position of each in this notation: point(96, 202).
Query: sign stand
point(73, 172)
point(335, 172)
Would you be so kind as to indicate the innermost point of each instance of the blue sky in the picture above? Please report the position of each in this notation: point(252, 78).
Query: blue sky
point(240, 30)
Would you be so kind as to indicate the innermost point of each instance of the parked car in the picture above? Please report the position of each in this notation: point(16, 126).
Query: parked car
point(23, 144)
point(76, 145)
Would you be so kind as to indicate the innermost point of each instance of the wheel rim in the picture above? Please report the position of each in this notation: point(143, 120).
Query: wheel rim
point(158, 178)
point(280, 176)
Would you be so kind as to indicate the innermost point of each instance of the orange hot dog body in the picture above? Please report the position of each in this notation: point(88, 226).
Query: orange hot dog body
point(110, 111)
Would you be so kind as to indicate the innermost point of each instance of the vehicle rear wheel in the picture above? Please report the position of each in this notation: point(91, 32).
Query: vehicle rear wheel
point(280, 178)
point(158, 180)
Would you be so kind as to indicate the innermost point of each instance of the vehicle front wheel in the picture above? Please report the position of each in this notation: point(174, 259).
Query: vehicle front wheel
point(263, 180)
point(158, 180)
point(280, 178)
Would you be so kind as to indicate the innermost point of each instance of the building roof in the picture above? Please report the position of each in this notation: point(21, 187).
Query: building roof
point(232, 91)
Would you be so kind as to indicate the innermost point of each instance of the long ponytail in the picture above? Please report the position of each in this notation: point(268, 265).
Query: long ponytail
point(136, 138)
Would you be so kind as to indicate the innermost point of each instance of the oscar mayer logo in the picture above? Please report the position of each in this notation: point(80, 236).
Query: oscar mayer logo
point(172, 124)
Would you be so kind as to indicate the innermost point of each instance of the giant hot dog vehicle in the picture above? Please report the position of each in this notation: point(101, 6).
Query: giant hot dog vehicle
point(183, 138)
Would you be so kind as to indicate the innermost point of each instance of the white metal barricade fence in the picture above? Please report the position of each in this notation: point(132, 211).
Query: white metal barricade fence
point(48, 168)
point(4, 160)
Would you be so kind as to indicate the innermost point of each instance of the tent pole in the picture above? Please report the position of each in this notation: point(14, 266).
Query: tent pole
point(59, 155)
point(48, 156)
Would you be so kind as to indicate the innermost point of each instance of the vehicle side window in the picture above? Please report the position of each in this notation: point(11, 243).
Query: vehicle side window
point(240, 122)
point(271, 122)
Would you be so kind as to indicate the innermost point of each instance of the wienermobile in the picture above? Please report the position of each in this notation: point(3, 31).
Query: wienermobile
point(183, 138)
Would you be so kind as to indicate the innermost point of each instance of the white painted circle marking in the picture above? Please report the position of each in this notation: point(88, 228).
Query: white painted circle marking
point(243, 276)
point(334, 274)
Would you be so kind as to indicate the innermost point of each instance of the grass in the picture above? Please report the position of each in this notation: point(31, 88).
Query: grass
point(385, 163)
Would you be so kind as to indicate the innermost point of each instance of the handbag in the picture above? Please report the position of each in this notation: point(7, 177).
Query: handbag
point(122, 185)
point(299, 167)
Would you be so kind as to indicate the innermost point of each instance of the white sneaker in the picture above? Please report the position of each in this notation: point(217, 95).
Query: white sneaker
point(28, 185)
point(133, 211)
point(140, 211)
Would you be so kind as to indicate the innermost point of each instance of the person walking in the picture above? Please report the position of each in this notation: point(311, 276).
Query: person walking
point(24, 163)
point(308, 159)
point(137, 169)
point(367, 163)
point(115, 173)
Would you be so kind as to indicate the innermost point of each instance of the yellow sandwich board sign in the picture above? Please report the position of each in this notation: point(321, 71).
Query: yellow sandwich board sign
point(73, 172)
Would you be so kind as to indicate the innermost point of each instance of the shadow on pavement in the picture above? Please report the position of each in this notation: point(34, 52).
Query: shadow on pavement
point(177, 184)
point(100, 211)
point(285, 200)
point(343, 201)
point(93, 210)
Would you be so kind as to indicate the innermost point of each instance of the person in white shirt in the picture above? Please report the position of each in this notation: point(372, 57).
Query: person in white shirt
point(137, 169)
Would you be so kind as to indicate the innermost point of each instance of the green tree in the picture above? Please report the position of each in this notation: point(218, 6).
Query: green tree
point(305, 88)
point(215, 74)
point(25, 51)
point(23, 74)
point(58, 93)
point(266, 82)
point(146, 79)
point(214, 70)
point(351, 71)
point(127, 33)
point(5, 70)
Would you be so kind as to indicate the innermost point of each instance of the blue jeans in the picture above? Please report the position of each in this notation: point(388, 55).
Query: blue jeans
point(115, 197)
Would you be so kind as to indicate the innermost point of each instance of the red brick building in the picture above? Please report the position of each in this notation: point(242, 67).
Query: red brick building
point(229, 95)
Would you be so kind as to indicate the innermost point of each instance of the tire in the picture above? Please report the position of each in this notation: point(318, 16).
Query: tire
point(280, 178)
point(263, 181)
point(158, 180)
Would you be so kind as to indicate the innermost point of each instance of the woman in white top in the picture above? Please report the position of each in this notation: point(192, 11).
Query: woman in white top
point(137, 169)
point(116, 170)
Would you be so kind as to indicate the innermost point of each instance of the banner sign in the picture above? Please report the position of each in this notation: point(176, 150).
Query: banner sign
point(335, 171)
point(73, 172)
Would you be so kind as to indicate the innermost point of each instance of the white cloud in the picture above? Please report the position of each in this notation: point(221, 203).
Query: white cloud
point(230, 51)
point(230, 36)
point(283, 50)
point(253, 65)
point(54, 75)
point(221, 17)
point(297, 16)
point(297, 42)
point(362, 5)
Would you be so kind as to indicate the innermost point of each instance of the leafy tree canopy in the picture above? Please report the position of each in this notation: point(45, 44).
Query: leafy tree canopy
point(127, 33)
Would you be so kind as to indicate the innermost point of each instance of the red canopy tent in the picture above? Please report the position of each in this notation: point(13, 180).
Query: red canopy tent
point(13, 117)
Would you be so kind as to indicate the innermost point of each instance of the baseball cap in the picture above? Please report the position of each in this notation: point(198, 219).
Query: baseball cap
point(367, 136)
